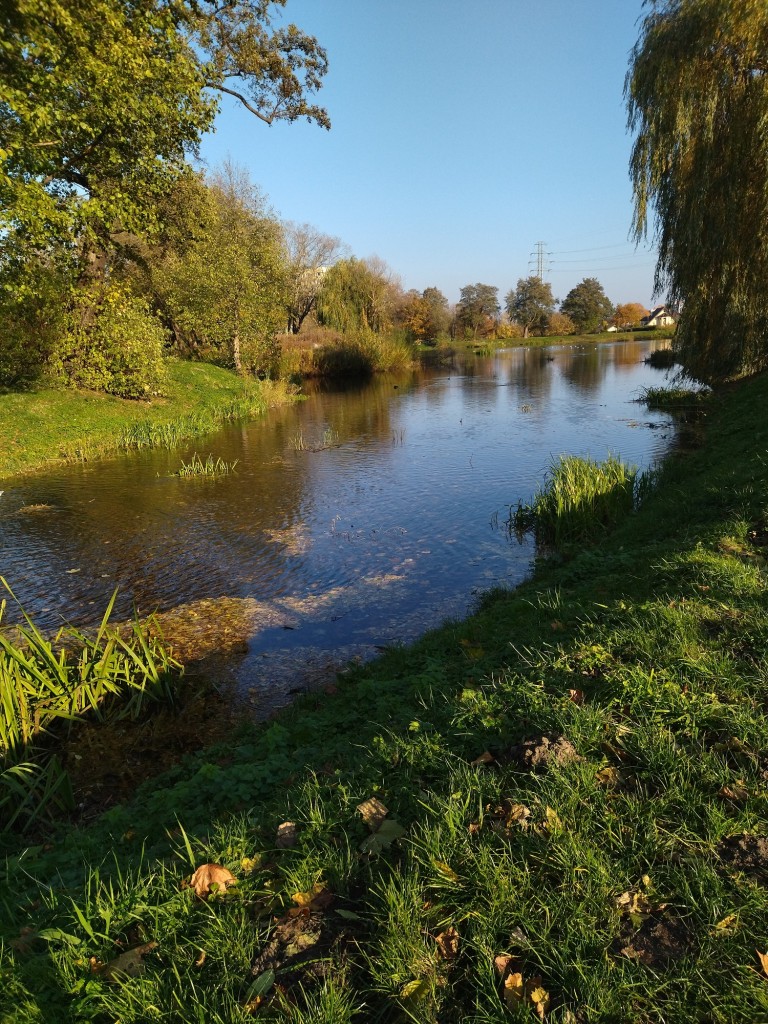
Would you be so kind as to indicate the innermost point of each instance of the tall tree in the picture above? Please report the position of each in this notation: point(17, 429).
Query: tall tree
point(478, 309)
point(697, 98)
point(628, 314)
point(358, 295)
point(225, 291)
point(588, 306)
point(102, 101)
point(310, 255)
point(530, 304)
point(425, 315)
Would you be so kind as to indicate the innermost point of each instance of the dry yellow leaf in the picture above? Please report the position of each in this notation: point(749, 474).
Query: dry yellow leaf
point(502, 962)
point(373, 812)
point(540, 999)
point(609, 777)
point(636, 903)
point(577, 696)
point(737, 792)
point(128, 965)
point(514, 990)
point(249, 864)
point(201, 959)
point(553, 820)
point(211, 878)
point(448, 943)
point(485, 758)
point(727, 926)
point(763, 961)
point(318, 897)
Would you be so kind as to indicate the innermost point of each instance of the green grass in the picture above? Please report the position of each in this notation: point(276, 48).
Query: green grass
point(43, 426)
point(675, 398)
point(45, 684)
point(580, 500)
point(211, 467)
point(610, 876)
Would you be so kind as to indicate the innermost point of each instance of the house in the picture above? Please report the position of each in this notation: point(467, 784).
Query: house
point(659, 317)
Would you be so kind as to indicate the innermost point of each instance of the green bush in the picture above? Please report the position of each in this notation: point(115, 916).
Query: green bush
point(113, 343)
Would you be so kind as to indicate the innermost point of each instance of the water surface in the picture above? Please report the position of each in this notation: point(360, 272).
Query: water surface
point(302, 560)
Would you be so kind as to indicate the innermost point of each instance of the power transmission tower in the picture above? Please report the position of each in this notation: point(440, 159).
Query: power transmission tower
point(539, 257)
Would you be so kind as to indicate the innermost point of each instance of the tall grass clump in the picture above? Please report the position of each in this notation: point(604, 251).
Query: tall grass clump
point(347, 356)
point(211, 467)
point(675, 398)
point(46, 684)
point(580, 499)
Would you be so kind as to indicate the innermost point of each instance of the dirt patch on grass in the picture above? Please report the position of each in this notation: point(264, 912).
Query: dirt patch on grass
point(657, 942)
point(539, 753)
point(745, 853)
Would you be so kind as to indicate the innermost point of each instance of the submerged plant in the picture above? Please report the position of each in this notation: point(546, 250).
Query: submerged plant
point(211, 467)
point(300, 443)
point(580, 499)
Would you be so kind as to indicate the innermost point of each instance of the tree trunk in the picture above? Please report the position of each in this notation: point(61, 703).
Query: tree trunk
point(236, 353)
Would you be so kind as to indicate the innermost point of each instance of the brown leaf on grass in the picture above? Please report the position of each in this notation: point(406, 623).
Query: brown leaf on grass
point(474, 827)
point(373, 812)
point(250, 864)
point(128, 965)
point(728, 926)
point(610, 777)
point(448, 943)
point(763, 958)
point(577, 696)
point(737, 792)
point(634, 903)
point(201, 959)
point(485, 758)
point(287, 835)
point(211, 878)
point(502, 962)
point(517, 991)
point(553, 821)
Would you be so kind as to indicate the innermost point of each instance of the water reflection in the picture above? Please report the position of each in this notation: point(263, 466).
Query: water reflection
point(302, 560)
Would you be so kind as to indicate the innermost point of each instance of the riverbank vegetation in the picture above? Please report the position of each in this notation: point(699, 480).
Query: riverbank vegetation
point(555, 808)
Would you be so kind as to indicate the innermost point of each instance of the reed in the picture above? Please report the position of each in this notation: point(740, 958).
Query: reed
point(211, 467)
point(45, 684)
point(675, 398)
point(580, 499)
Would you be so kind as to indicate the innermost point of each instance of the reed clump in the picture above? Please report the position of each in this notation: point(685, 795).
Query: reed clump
point(675, 398)
point(580, 500)
point(211, 467)
point(48, 684)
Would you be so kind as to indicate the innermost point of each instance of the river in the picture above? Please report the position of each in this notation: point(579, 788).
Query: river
point(301, 561)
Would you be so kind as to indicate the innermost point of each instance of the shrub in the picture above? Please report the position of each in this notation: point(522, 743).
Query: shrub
point(113, 343)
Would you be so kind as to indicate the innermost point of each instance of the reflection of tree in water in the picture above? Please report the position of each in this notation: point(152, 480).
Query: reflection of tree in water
point(531, 374)
point(586, 368)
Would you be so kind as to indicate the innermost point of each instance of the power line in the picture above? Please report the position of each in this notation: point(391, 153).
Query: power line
point(594, 248)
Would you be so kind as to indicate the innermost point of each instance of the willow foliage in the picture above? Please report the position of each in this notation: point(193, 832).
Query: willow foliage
point(697, 97)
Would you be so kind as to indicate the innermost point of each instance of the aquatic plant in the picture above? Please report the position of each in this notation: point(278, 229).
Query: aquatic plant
point(330, 440)
point(675, 398)
point(661, 359)
point(211, 467)
point(46, 683)
point(580, 499)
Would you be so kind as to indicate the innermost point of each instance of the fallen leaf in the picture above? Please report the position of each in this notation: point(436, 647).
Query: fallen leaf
point(514, 990)
point(609, 777)
point(516, 814)
point(540, 999)
point(211, 878)
point(502, 962)
point(737, 792)
point(384, 836)
point(446, 871)
point(728, 926)
point(577, 696)
point(448, 943)
point(287, 835)
point(553, 820)
point(318, 898)
point(373, 812)
point(415, 989)
point(474, 827)
point(128, 965)
point(763, 957)
point(485, 758)
point(250, 864)
point(201, 959)
point(634, 903)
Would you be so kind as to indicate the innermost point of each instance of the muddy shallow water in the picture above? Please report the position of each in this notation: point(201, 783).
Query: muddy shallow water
point(304, 560)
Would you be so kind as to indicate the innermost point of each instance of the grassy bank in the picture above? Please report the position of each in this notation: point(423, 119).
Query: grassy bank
point(659, 334)
point(555, 810)
point(43, 426)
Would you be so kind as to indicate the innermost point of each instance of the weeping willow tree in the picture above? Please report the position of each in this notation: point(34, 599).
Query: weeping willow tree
point(697, 98)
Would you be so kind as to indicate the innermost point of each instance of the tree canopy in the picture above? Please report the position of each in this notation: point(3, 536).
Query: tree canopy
point(478, 308)
point(530, 304)
point(101, 103)
point(587, 305)
point(697, 98)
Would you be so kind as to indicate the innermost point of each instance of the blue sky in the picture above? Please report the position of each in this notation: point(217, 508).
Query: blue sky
point(462, 135)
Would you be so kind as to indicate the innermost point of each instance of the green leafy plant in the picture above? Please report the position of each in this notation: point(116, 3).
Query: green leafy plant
point(211, 467)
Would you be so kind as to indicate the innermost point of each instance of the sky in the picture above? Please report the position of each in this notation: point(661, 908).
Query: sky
point(463, 134)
